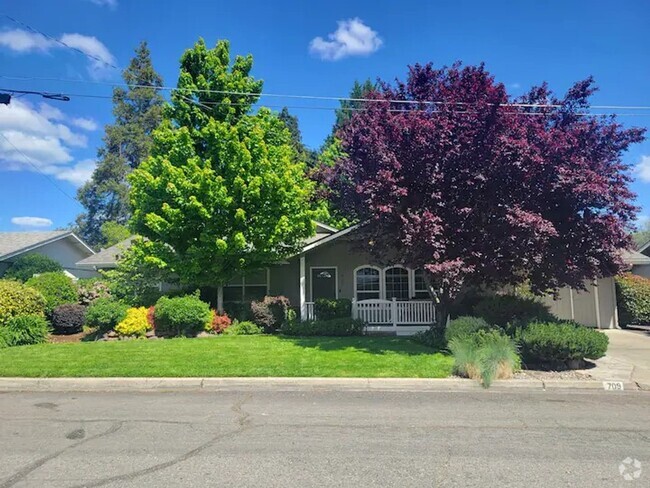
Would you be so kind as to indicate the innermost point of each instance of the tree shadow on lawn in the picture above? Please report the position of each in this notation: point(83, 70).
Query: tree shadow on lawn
point(373, 345)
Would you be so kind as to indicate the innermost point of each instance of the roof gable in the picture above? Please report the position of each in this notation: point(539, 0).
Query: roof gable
point(15, 243)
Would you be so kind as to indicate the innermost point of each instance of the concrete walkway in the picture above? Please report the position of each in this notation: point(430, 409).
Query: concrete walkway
point(627, 359)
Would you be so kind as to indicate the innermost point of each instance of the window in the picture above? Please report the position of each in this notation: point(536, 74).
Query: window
point(253, 286)
point(397, 283)
point(420, 286)
point(367, 283)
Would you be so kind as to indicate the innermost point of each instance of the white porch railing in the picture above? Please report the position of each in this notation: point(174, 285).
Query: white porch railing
point(392, 312)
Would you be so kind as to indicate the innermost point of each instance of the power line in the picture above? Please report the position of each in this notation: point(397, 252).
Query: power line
point(31, 162)
point(208, 105)
point(59, 41)
point(314, 97)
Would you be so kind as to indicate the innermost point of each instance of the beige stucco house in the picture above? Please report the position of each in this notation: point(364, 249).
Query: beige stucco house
point(62, 246)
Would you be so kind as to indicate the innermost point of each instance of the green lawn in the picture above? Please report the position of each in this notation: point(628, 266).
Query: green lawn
point(229, 356)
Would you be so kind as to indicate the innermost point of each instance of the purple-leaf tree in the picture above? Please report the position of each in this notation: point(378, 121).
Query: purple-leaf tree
point(480, 189)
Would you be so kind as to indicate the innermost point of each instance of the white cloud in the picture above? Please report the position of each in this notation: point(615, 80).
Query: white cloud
point(642, 169)
point(77, 174)
point(23, 41)
point(85, 124)
point(31, 221)
point(105, 3)
point(38, 140)
point(100, 58)
point(352, 38)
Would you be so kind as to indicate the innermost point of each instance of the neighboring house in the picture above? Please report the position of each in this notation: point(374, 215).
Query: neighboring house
point(389, 296)
point(105, 258)
point(62, 246)
point(641, 264)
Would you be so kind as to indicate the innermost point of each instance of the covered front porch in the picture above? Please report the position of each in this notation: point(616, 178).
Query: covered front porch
point(391, 299)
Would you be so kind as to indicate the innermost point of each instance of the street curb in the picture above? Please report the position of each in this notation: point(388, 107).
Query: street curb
point(291, 384)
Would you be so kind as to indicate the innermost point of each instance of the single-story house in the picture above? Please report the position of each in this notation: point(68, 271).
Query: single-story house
point(62, 246)
point(390, 297)
point(105, 258)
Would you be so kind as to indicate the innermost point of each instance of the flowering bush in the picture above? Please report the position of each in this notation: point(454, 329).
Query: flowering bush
point(135, 323)
point(150, 317)
point(218, 323)
point(92, 289)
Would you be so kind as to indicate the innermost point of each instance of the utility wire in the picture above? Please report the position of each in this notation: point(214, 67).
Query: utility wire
point(51, 96)
point(209, 105)
point(31, 162)
point(59, 41)
point(315, 97)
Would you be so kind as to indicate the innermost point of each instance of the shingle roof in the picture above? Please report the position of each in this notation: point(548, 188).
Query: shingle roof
point(14, 242)
point(106, 258)
point(635, 258)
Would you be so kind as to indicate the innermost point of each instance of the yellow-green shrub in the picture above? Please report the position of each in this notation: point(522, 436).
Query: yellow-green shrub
point(135, 323)
point(18, 299)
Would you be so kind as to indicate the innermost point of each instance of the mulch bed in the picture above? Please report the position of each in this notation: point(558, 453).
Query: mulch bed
point(59, 338)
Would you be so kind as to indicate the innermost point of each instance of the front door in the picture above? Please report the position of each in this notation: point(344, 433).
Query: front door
point(323, 283)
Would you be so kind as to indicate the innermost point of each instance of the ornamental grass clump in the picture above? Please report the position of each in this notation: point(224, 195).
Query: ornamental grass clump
point(135, 324)
point(485, 356)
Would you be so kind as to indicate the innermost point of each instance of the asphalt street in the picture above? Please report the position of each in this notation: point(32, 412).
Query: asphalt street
point(267, 438)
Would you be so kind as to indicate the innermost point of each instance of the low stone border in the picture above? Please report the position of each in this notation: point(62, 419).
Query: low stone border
point(290, 384)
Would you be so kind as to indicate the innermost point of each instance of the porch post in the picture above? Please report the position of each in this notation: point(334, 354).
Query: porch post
point(220, 299)
point(354, 308)
point(393, 313)
point(303, 289)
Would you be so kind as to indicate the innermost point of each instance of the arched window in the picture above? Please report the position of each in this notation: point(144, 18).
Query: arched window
point(367, 283)
point(397, 283)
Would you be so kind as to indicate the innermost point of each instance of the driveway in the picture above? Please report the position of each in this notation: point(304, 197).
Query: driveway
point(628, 355)
point(324, 438)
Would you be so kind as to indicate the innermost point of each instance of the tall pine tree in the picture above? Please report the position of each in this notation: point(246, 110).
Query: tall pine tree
point(137, 111)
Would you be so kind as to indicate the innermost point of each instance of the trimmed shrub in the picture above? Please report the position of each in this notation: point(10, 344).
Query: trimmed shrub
point(484, 356)
point(327, 309)
point(561, 344)
point(57, 289)
point(633, 298)
point(28, 265)
point(18, 299)
point(105, 314)
point(68, 318)
point(178, 316)
point(243, 328)
point(463, 326)
point(270, 313)
point(218, 323)
point(433, 337)
point(503, 310)
point(237, 310)
point(150, 317)
point(135, 323)
point(91, 289)
point(335, 327)
point(25, 330)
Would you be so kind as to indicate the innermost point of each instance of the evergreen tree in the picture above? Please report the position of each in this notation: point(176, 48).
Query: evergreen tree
point(305, 154)
point(137, 111)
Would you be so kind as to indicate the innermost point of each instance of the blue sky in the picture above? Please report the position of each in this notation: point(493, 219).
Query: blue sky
point(522, 43)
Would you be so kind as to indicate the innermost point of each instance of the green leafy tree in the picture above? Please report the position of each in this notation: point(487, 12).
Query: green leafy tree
point(222, 191)
point(112, 233)
point(137, 111)
point(642, 235)
point(349, 107)
point(27, 265)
